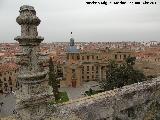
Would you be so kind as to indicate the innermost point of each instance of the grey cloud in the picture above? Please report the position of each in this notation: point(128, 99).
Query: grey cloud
point(87, 22)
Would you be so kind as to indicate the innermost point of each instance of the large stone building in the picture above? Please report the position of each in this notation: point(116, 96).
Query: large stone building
point(84, 66)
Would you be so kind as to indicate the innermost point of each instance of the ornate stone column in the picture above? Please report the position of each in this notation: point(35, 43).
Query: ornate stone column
point(34, 93)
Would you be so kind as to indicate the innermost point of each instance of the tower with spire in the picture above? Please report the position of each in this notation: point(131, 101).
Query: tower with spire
point(71, 69)
point(34, 93)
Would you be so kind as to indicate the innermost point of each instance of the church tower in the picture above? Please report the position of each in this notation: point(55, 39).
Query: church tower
point(34, 93)
point(72, 68)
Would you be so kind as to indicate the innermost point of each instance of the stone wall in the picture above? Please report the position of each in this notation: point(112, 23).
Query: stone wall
point(139, 101)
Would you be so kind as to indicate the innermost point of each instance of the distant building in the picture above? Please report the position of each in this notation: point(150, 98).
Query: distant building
point(8, 76)
point(84, 66)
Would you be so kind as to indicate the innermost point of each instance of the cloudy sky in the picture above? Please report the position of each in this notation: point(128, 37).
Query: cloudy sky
point(87, 22)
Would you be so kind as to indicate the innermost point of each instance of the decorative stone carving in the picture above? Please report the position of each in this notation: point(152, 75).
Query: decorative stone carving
point(34, 94)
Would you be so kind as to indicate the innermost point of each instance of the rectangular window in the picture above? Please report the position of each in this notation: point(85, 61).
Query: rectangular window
point(96, 67)
point(73, 70)
point(78, 57)
point(82, 57)
point(87, 68)
point(92, 56)
point(92, 68)
point(97, 57)
point(82, 70)
point(92, 76)
point(87, 57)
point(115, 56)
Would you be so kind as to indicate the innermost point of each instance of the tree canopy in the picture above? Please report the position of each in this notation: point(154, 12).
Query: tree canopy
point(53, 82)
point(119, 75)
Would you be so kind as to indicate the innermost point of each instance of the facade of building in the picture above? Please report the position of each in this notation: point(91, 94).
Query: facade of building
point(8, 76)
point(84, 66)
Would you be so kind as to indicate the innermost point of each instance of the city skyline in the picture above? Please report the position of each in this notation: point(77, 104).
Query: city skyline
point(89, 23)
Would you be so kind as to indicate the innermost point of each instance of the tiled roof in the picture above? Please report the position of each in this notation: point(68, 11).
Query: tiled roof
point(7, 67)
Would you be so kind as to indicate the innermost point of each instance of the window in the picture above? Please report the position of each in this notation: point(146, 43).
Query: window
point(92, 76)
point(0, 74)
point(87, 57)
point(124, 56)
point(92, 68)
point(77, 57)
point(82, 57)
point(120, 56)
point(1, 83)
point(73, 70)
point(97, 57)
point(82, 70)
point(96, 67)
point(115, 56)
point(92, 56)
point(87, 68)
point(4, 79)
point(82, 77)
point(73, 57)
point(10, 81)
point(87, 77)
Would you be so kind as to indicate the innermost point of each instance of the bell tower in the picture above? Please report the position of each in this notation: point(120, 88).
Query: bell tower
point(34, 93)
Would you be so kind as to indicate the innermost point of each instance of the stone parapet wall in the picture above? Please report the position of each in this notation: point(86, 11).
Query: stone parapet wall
point(139, 101)
point(117, 103)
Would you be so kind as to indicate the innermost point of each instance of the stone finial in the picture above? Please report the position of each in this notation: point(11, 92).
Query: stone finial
point(28, 16)
point(29, 22)
point(26, 7)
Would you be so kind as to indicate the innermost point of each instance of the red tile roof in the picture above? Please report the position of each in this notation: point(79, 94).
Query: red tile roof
point(8, 67)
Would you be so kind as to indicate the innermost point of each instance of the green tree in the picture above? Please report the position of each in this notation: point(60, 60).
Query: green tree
point(131, 60)
point(121, 75)
point(53, 82)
